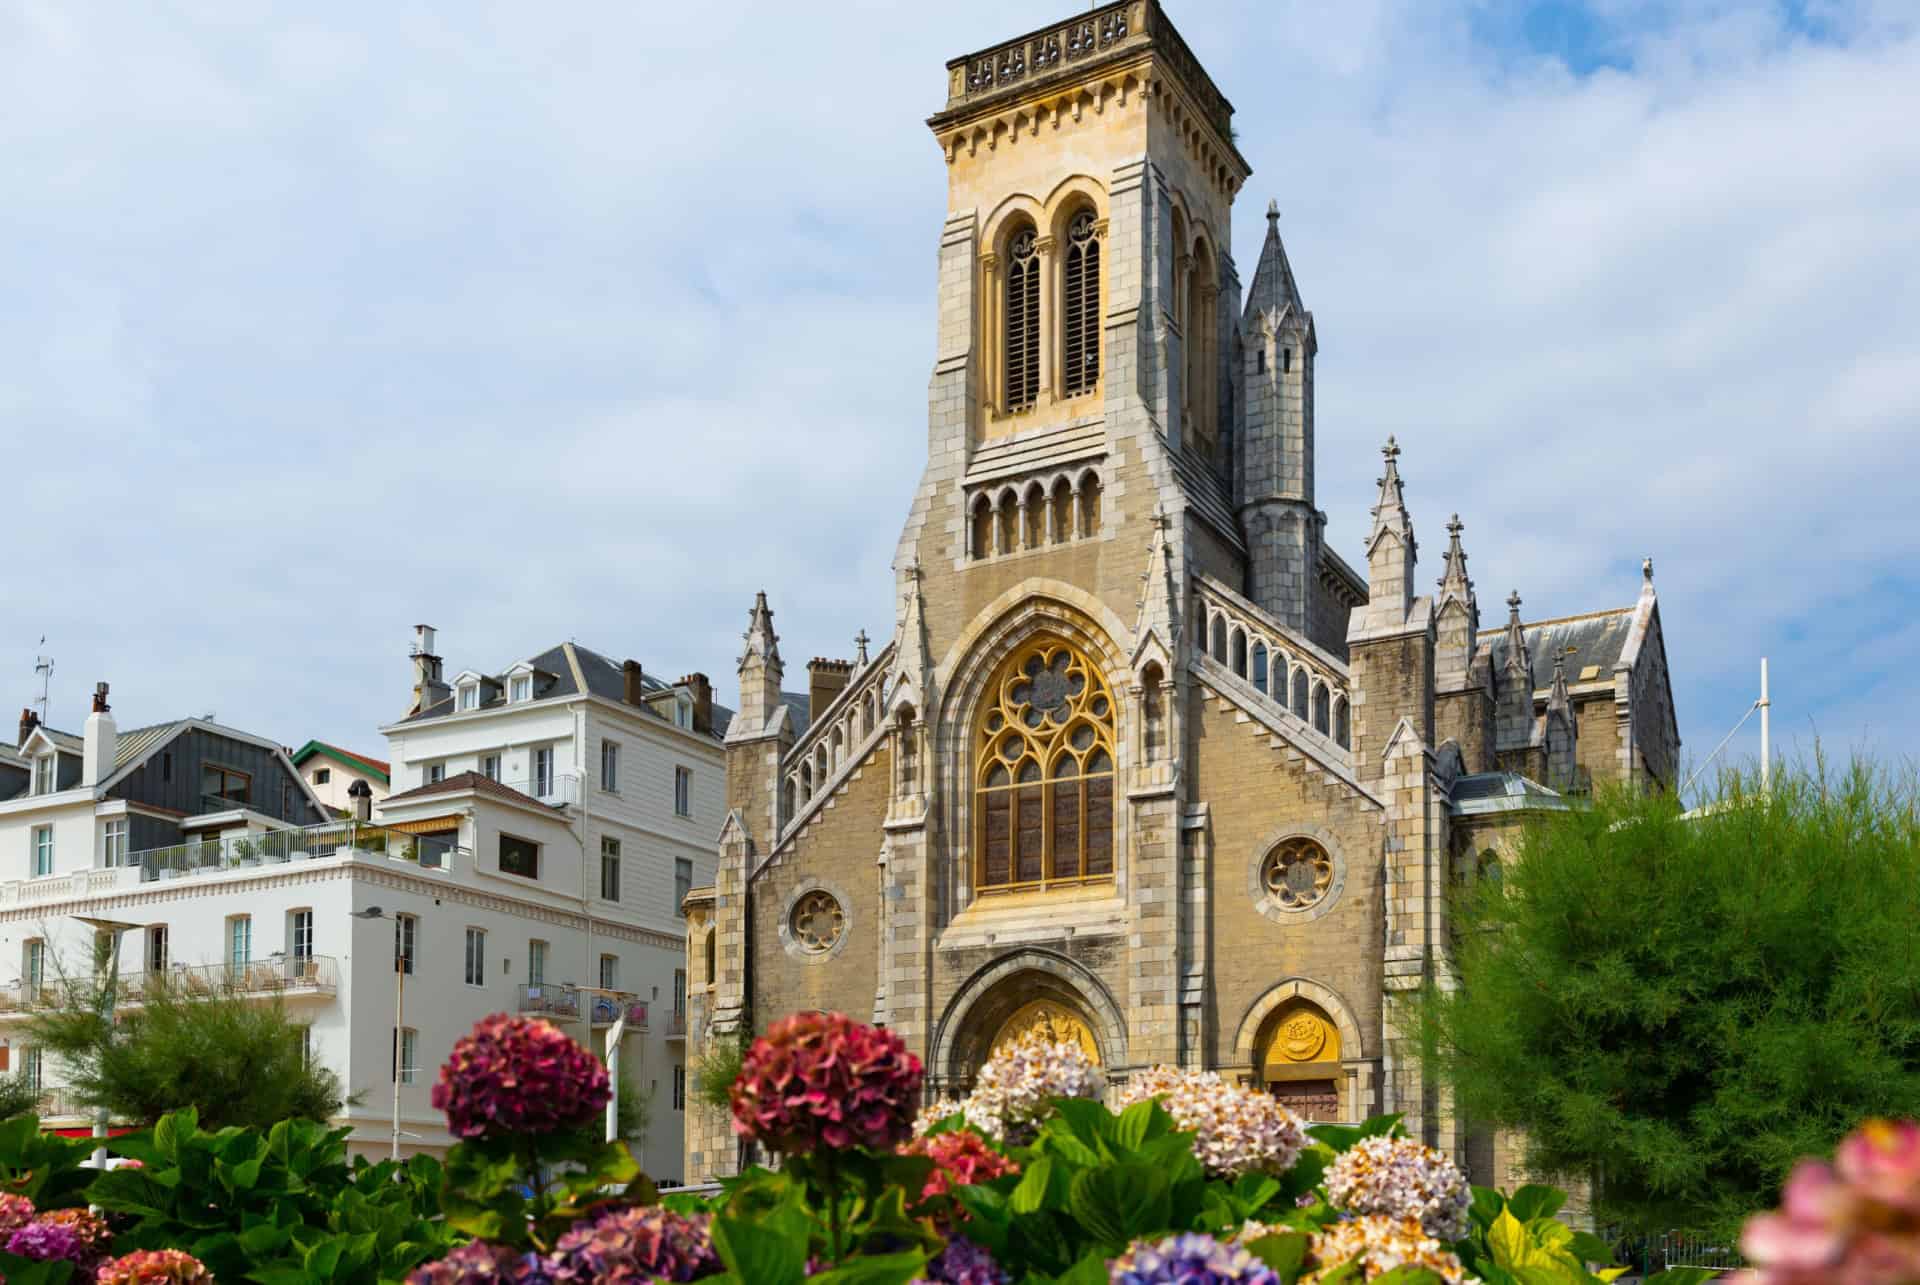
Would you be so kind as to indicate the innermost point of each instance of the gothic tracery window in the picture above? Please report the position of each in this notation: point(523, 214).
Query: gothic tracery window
point(1023, 320)
point(1081, 350)
point(1043, 774)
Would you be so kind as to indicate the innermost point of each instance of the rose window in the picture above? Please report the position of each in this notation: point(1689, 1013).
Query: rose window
point(1297, 874)
point(817, 921)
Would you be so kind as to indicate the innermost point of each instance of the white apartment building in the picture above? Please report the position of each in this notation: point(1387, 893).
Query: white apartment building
point(592, 790)
point(559, 895)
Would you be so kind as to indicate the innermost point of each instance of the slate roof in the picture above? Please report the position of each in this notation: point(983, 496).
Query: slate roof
point(1482, 792)
point(554, 680)
point(1591, 641)
point(462, 781)
point(799, 705)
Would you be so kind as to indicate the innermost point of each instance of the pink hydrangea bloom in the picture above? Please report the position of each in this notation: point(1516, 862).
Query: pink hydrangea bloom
point(519, 1075)
point(826, 1080)
point(476, 1261)
point(46, 1242)
point(1856, 1220)
point(636, 1243)
point(155, 1267)
point(89, 1230)
point(15, 1212)
point(961, 1159)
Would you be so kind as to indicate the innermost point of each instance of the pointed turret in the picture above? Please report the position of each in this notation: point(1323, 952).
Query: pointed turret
point(1157, 613)
point(760, 674)
point(1392, 552)
point(1514, 724)
point(1560, 732)
point(1274, 291)
point(1456, 616)
point(913, 655)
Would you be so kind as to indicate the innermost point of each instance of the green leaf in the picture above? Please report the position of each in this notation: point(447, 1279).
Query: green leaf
point(1031, 1194)
point(1589, 1248)
point(1090, 1270)
point(1282, 1253)
point(1410, 1276)
point(174, 1126)
point(324, 1257)
point(1535, 1201)
point(1120, 1203)
point(1508, 1239)
point(760, 1253)
point(1132, 1127)
point(874, 1269)
point(1681, 1276)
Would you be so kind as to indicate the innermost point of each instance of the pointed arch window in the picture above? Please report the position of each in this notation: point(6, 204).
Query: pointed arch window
point(1023, 320)
point(1043, 772)
point(1082, 298)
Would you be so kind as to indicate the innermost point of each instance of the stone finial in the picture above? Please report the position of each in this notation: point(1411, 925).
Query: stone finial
point(1513, 603)
point(1646, 570)
point(1455, 526)
point(860, 641)
point(1516, 636)
point(1273, 212)
point(1392, 451)
point(1454, 580)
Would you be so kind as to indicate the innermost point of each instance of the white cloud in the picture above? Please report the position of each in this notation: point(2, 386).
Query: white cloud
point(591, 321)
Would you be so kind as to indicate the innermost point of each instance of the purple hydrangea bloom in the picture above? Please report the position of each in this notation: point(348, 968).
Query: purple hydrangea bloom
point(45, 1242)
point(1189, 1259)
point(963, 1263)
point(519, 1075)
point(636, 1243)
point(482, 1261)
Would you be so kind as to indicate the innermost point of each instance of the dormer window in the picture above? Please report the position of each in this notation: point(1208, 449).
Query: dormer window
point(522, 689)
point(470, 696)
point(683, 713)
point(43, 774)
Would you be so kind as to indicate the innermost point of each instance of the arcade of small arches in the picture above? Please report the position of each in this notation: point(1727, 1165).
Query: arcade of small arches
point(1016, 519)
point(820, 761)
point(1297, 687)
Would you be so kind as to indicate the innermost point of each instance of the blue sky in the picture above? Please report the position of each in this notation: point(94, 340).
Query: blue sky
point(537, 322)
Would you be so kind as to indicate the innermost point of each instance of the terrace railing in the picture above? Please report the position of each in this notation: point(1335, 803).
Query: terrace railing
point(279, 847)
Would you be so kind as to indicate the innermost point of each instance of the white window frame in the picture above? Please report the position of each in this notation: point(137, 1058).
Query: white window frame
point(113, 842)
point(306, 1046)
point(46, 773)
point(609, 864)
point(490, 766)
point(469, 696)
point(682, 791)
point(679, 1088)
point(406, 943)
point(409, 1054)
point(683, 713)
point(33, 967)
point(520, 688)
point(476, 965)
point(541, 772)
point(158, 959)
point(610, 766)
point(536, 962)
point(300, 925)
point(239, 940)
point(42, 851)
point(436, 772)
point(34, 1069)
point(609, 972)
point(322, 775)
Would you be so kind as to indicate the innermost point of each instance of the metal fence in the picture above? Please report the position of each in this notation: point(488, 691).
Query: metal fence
point(278, 847)
point(1650, 1253)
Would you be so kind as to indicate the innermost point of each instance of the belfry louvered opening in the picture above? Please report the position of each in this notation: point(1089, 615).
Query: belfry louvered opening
point(1082, 330)
point(1023, 321)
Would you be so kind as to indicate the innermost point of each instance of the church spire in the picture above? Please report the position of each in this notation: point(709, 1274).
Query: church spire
point(1391, 548)
point(1157, 612)
point(913, 657)
point(760, 672)
point(1454, 580)
point(1456, 616)
point(1517, 660)
point(1274, 291)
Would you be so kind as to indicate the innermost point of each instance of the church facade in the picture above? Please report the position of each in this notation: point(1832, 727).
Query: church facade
point(1146, 761)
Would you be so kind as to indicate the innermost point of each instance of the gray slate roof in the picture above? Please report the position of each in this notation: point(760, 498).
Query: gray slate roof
point(554, 680)
point(1594, 640)
point(1482, 792)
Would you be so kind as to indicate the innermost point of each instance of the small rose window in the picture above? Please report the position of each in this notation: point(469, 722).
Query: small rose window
point(817, 921)
point(1297, 873)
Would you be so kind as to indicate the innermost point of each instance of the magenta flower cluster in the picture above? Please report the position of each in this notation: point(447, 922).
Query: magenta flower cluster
point(155, 1267)
point(46, 1242)
point(519, 1075)
point(1856, 1220)
point(636, 1243)
point(963, 1263)
point(823, 1079)
point(481, 1261)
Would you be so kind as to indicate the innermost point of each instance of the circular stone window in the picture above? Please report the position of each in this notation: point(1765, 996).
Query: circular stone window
point(1297, 877)
point(817, 922)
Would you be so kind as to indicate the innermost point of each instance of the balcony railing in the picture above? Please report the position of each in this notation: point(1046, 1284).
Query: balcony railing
point(289, 976)
point(279, 847)
point(58, 1102)
point(567, 1002)
point(676, 1025)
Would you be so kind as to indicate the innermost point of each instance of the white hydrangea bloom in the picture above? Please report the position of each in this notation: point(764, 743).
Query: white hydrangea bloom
point(1379, 1244)
point(1237, 1130)
point(1404, 1179)
point(933, 1113)
point(1015, 1088)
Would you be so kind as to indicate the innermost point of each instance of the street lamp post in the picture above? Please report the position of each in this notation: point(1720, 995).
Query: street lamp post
point(399, 1014)
point(109, 997)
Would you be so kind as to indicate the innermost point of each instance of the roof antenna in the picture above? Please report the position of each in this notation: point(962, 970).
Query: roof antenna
point(43, 666)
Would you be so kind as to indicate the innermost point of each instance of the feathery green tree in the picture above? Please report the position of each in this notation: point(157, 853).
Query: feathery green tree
point(1680, 1006)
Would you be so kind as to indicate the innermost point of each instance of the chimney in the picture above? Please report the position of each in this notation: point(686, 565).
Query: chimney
point(28, 721)
point(101, 743)
point(633, 684)
point(825, 678)
point(361, 795)
point(701, 689)
point(428, 687)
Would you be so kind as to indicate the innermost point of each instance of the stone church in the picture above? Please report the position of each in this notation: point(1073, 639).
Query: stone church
point(1146, 760)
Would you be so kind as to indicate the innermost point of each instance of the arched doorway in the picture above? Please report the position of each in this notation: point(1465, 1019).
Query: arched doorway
point(1058, 1022)
point(1028, 990)
point(1297, 1059)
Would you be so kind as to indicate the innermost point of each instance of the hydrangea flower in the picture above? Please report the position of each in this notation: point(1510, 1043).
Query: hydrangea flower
point(823, 1079)
point(46, 1242)
point(934, 1112)
point(1235, 1130)
point(963, 1263)
point(1379, 1243)
point(636, 1243)
point(155, 1267)
point(95, 1237)
point(1015, 1089)
point(960, 1159)
point(476, 1261)
point(519, 1075)
point(1856, 1220)
point(1191, 1258)
point(1402, 1179)
point(15, 1212)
